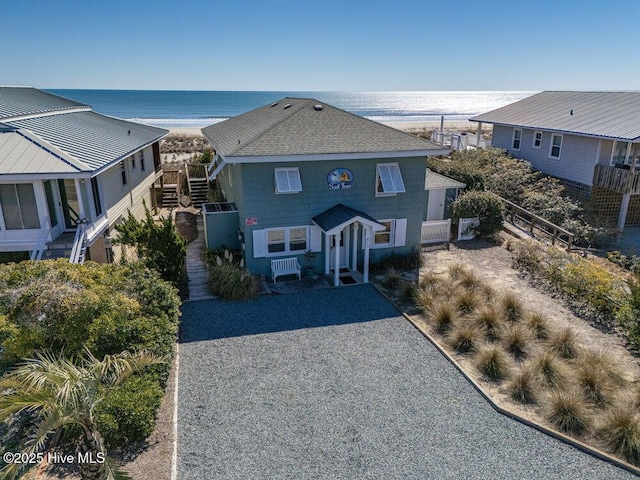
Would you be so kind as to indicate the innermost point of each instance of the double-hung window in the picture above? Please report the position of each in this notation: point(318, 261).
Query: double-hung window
point(288, 180)
point(287, 240)
point(517, 138)
point(556, 145)
point(384, 238)
point(537, 139)
point(388, 179)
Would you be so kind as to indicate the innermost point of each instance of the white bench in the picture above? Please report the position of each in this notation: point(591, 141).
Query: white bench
point(284, 266)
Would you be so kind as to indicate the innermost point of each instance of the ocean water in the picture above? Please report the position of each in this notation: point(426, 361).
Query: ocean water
point(165, 108)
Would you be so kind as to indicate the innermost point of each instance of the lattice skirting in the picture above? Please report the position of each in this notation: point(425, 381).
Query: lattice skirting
point(606, 204)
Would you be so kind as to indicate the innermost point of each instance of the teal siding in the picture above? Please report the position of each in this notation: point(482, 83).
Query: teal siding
point(259, 200)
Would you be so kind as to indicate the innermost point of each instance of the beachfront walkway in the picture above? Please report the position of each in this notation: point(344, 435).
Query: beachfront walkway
point(334, 384)
point(196, 266)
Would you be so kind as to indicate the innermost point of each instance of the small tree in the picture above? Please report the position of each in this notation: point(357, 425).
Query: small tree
point(485, 206)
point(159, 246)
point(61, 392)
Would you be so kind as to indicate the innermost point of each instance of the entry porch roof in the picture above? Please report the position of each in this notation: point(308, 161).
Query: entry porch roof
point(333, 220)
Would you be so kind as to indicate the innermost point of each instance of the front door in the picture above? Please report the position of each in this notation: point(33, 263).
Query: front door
point(343, 250)
point(435, 210)
point(54, 208)
point(70, 203)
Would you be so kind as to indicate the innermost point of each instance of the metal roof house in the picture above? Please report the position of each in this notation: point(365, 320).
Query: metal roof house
point(303, 176)
point(68, 174)
point(591, 140)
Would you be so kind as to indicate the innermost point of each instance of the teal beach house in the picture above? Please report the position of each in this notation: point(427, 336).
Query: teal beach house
point(302, 177)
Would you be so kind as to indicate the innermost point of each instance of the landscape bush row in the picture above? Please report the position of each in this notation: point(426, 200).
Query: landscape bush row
point(107, 309)
point(587, 287)
point(228, 279)
point(493, 170)
point(578, 391)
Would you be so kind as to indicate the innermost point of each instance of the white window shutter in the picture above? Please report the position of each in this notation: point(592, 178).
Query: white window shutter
point(316, 239)
point(259, 243)
point(400, 233)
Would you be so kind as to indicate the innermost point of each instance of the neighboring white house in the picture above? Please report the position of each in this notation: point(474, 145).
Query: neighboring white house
point(591, 140)
point(68, 174)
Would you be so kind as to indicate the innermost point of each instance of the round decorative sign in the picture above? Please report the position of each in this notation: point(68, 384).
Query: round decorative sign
point(340, 178)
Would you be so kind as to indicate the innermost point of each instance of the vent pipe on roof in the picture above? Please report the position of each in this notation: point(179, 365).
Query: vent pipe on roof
point(571, 112)
point(317, 107)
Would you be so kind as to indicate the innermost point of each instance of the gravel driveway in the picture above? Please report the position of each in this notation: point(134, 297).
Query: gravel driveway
point(335, 384)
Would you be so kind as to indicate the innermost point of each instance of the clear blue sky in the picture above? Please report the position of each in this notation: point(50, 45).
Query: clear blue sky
point(321, 45)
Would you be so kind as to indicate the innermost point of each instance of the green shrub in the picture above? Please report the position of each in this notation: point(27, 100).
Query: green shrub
point(231, 282)
point(482, 205)
point(128, 414)
point(401, 262)
point(159, 245)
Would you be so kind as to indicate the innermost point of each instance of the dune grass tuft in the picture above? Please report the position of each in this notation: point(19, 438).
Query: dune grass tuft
point(568, 411)
point(442, 316)
point(490, 319)
point(467, 301)
point(551, 369)
point(493, 363)
point(620, 431)
point(512, 307)
point(456, 270)
point(564, 343)
point(465, 337)
point(517, 340)
point(539, 324)
point(469, 281)
point(523, 387)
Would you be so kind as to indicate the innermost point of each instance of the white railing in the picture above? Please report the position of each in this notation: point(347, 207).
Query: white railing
point(436, 231)
point(457, 140)
point(38, 247)
point(79, 247)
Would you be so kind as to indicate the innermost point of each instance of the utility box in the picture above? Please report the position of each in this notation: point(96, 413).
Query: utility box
point(221, 225)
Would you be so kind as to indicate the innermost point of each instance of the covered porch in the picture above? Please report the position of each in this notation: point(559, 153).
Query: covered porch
point(342, 228)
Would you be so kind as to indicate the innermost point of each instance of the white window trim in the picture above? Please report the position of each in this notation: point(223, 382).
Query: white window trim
point(396, 188)
point(392, 232)
point(287, 242)
point(535, 132)
point(290, 170)
point(513, 139)
point(630, 151)
point(560, 146)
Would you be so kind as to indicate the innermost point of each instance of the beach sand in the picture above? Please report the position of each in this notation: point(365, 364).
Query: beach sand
point(462, 125)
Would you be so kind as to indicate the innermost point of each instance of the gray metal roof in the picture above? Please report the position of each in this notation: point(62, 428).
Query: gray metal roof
point(304, 126)
point(339, 215)
point(93, 139)
point(434, 181)
point(81, 140)
point(21, 153)
point(600, 114)
point(25, 101)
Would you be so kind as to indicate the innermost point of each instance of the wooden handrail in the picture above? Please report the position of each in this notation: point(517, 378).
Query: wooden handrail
point(536, 221)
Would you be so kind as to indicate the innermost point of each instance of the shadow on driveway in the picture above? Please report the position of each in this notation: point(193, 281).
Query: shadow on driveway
point(214, 319)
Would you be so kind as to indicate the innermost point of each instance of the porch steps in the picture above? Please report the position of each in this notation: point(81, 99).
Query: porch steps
point(196, 266)
point(60, 247)
point(170, 196)
point(199, 189)
point(54, 253)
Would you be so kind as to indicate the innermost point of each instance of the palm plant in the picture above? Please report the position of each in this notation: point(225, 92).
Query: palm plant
point(60, 392)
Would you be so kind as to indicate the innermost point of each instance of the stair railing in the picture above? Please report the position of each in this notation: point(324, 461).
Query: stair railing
point(38, 247)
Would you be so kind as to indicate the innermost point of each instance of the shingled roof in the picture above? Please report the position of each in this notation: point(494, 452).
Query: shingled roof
point(305, 126)
point(613, 115)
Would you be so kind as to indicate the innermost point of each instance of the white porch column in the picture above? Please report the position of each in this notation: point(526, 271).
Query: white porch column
point(354, 248)
point(327, 253)
point(622, 213)
point(336, 266)
point(367, 241)
point(82, 213)
point(478, 134)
